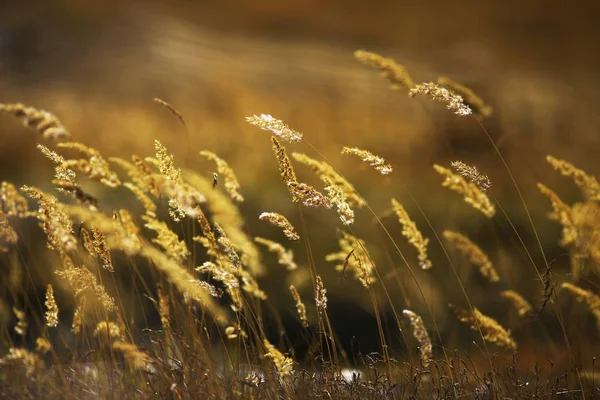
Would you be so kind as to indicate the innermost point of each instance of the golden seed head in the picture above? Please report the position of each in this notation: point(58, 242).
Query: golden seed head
point(232, 186)
point(374, 161)
point(420, 333)
point(167, 239)
point(475, 255)
point(95, 166)
point(21, 326)
point(453, 101)
point(282, 222)
point(395, 73)
point(521, 305)
point(46, 123)
point(329, 175)
point(300, 307)
point(472, 194)
point(472, 174)
point(492, 331)
point(283, 365)
point(413, 234)
point(276, 126)
point(587, 183)
point(470, 98)
point(353, 254)
point(285, 257)
point(51, 308)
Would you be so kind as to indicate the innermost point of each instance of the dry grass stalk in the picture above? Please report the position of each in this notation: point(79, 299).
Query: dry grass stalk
point(474, 253)
point(134, 356)
point(328, 175)
point(301, 192)
point(353, 254)
point(85, 283)
point(171, 109)
point(285, 165)
point(420, 333)
point(227, 215)
point(472, 194)
point(11, 201)
point(453, 101)
point(51, 308)
point(54, 222)
point(211, 289)
point(276, 126)
point(300, 307)
point(183, 281)
point(8, 236)
point(521, 305)
point(282, 222)
point(85, 237)
point(42, 345)
point(225, 274)
point(108, 330)
point(164, 309)
point(472, 174)
point(227, 248)
point(148, 204)
point(337, 197)
point(209, 241)
point(46, 123)
point(320, 295)
point(62, 173)
point(21, 326)
point(591, 300)
point(140, 173)
point(167, 239)
point(182, 200)
point(101, 249)
point(78, 317)
point(283, 365)
point(492, 331)
point(562, 213)
point(470, 98)
point(374, 161)
point(120, 231)
point(166, 163)
point(588, 184)
point(285, 256)
point(308, 195)
point(30, 361)
point(232, 186)
point(233, 332)
point(77, 192)
point(412, 233)
point(395, 73)
point(95, 167)
point(586, 218)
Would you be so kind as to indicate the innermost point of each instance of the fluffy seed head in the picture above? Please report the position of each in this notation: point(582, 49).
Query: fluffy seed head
point(276, 126)
point(395, 73)
point(282, 222)
point(413, 234)
point(374, 161)
point(472, 194)
point(452, 101)
point(420, 333)
point(475, 255)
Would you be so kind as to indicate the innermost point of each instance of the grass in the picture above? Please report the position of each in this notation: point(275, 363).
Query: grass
point(137, 278)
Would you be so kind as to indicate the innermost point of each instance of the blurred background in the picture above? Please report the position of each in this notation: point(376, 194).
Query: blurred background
point(99, 64)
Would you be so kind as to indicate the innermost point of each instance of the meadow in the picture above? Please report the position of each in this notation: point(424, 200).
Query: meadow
point(151, 275)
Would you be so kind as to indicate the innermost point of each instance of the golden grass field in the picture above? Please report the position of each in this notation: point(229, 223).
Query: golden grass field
point(162, 235)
